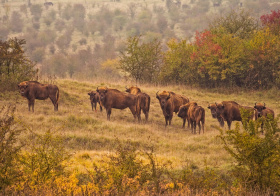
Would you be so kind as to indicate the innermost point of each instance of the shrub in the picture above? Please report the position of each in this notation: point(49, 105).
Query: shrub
point(42, 159)
point(9, 147)
point(257, 156)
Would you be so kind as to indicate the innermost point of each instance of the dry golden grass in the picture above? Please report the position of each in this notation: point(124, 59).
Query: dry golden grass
point(89, 135)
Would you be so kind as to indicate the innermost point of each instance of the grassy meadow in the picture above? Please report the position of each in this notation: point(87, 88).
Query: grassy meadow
point(88, 135)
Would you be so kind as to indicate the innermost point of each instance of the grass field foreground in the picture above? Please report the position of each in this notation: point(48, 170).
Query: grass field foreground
point(88, 132)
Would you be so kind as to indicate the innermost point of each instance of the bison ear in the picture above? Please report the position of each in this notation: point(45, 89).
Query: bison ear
point(255, 107)
point(264, 107)
point(88, 93)
point(208, 107)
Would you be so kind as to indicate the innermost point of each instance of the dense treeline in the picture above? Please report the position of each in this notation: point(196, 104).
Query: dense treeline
point(234, 51)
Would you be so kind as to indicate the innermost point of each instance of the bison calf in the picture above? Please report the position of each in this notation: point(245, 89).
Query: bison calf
point(195, 115)
point(144, 100)
point(34, 90)
point(169, 103)
point(113, 98)
point(94, 99)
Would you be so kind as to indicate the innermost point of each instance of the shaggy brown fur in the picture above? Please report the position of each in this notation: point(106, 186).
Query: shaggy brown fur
point(34, 90)
point(144, 100)
point(169, 103)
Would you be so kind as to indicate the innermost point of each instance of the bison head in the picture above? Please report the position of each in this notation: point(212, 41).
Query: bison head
point(163, 98)
point(92, 95)
point(213, 109)
point(220, 109)
point(23, 88)
point(259, 107)
point(183, 110)
point(102, 93)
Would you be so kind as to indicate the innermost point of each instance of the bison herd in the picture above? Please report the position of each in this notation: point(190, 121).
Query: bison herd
point(138, 102)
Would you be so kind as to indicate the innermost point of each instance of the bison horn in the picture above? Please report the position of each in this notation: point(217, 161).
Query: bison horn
point(126, 87)
point(168, 96)
point(255, 103)
point(263, 104)
point(216, 103)
point(157, 94)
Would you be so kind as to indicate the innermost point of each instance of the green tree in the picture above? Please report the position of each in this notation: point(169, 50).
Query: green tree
point(142, 60)
point(14, 65)
point(236, 23)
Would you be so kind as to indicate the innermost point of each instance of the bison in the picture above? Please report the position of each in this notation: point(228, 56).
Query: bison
point(94, 99)
point(143, 98)
point(34, 90)
point(169, 103)
point(195, 115)
point(263, 112)
point(113, 98)
point(183, 113)
point(229, 111)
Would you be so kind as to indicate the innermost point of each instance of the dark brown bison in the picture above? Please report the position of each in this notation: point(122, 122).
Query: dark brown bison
point(34, 90)
point(195, 115)
point(169, 103)
point(262, 110)
point(229, 111)
point(113, 98)
point(143, 98)
point(183, 113)
point(94, 99)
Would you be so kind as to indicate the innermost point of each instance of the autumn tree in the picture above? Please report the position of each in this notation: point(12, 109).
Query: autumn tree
point(272, 21)
point(236, 23)
point(14, 65)
point(142, 61)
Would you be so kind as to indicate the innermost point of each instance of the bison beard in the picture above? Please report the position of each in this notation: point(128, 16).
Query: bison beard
point(34, 90)
point(144, 101)
point(113, 98)
point(169, 103)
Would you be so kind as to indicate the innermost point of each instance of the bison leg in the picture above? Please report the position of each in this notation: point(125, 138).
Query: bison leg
point(55, 104)
point(133, 111)
point(221, 121)
point(199, 126)
point(166, 121)
point(188, 122)
point(109, 110)
point(229, 124)
point(184, 122)
point(100, 107)
point(146, 115)
point(31, 104)
point(91, 106)
point(194, 126)
point(170, 119)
